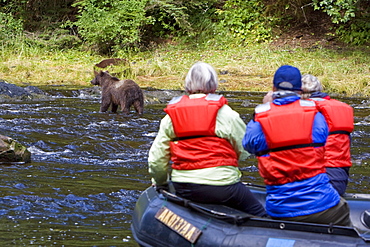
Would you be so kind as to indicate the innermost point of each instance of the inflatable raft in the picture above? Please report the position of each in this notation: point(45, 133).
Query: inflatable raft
point(164, 219)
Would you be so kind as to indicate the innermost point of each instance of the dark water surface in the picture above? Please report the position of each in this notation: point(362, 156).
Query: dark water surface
point(89, 168)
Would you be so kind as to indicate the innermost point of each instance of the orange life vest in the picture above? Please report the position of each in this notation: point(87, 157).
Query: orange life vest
point(291, 156)
point(339, 117)
point(194, 123)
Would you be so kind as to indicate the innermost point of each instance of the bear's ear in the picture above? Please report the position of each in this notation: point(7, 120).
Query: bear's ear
point(101, 73)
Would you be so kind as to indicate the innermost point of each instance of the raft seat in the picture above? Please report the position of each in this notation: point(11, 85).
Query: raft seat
point(220, 212)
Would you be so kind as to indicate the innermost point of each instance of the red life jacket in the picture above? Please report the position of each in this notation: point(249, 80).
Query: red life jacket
point(339, 117)
point(291, 156)
point(194, 123)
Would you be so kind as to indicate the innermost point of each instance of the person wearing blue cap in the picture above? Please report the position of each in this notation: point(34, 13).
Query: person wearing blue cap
point(288, 136)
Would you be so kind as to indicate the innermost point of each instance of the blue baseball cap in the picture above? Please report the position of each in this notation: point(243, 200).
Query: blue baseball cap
point(288, 78)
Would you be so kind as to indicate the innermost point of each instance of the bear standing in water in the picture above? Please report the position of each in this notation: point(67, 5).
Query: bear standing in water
point(115, 92)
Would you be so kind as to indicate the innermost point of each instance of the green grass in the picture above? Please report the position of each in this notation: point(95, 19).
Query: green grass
point(249, 68)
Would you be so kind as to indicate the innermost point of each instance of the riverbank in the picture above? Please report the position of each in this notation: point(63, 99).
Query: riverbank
point(342, 70)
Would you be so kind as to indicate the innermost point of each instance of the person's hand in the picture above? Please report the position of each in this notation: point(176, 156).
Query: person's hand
point(267, 97)
point(159, 188)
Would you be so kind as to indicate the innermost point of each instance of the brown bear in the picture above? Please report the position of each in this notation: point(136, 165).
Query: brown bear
point(118, 92)
point(118, 67)
point(110, 62)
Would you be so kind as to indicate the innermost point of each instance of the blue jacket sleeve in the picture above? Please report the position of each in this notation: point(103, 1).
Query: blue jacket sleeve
point(254, 139)
point(320, 129)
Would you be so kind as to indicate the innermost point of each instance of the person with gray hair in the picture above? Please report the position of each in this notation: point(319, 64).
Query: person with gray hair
point(310, 84)
point(198, 146)
point(201, 78)
point(339, 117)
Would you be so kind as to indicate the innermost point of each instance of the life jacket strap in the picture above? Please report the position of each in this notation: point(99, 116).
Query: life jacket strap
point(189, 137)
point(289, 147)
point(339, 132)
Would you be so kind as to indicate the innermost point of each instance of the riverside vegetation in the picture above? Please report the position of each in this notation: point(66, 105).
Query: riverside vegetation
point(48, 42)
point(241, 68)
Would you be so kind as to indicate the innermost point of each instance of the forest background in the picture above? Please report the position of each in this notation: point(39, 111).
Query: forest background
point(58, 42)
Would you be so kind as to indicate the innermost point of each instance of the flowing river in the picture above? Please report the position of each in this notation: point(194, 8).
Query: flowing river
point(88, 168)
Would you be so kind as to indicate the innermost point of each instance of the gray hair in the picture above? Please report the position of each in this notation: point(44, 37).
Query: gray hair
point(310, 84)
point(201, 78)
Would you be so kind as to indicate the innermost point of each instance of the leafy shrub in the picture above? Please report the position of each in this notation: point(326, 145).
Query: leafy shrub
point(340, 11)
point(120, 23)
point(10, 28)
point(110, 23)
point(246, 20)
point(351, 17)
point(173, 19)
point(168, 18)
point(357, 33)
point(39, 14)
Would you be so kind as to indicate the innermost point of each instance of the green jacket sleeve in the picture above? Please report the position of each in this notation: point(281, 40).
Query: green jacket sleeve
point(159, 153)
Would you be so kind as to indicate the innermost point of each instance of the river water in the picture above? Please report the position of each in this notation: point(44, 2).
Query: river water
point(89, 168)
